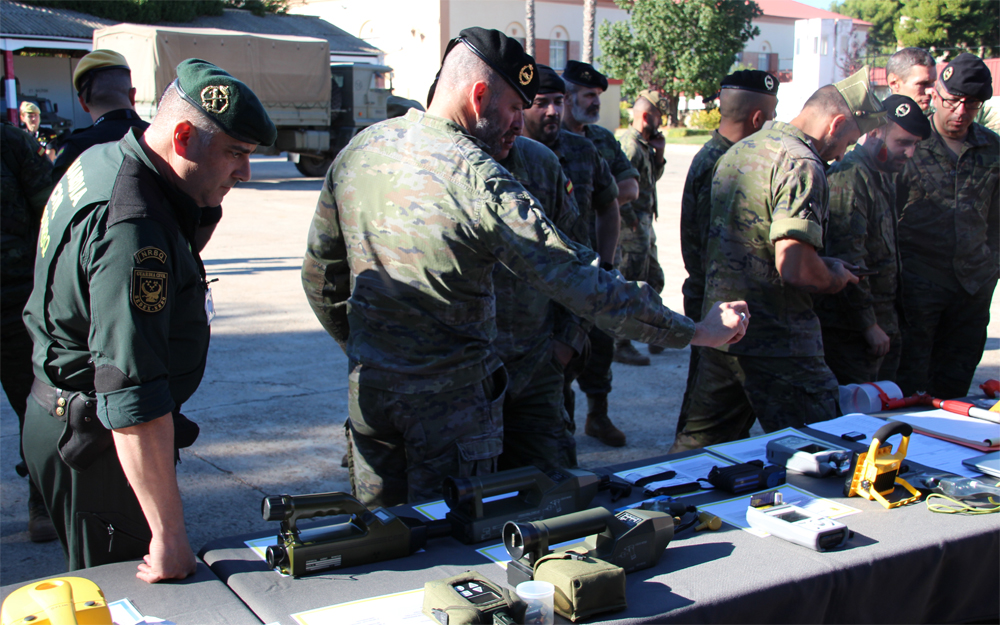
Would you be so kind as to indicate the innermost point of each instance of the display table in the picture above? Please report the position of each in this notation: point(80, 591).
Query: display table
point(902, 565)
point(198, 600)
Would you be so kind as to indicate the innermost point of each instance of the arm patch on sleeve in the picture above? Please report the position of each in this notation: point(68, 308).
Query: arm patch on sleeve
point(149, 290)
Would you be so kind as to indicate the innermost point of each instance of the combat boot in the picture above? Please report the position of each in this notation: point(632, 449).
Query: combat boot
point(626, 354)
point(599, 425)
point(655, 349)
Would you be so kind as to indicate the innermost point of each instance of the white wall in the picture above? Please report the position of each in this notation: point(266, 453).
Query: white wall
point(778, 35)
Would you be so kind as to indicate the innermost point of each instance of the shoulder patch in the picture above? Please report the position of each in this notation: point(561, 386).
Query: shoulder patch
point(569, 187)
point(149, 290)
point(148, 253)
point(796, 149)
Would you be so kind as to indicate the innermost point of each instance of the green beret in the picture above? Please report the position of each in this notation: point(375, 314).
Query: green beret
point(226, 101)
point(504, 55)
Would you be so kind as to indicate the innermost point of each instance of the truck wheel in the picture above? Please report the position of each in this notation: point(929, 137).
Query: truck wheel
point(313, 167)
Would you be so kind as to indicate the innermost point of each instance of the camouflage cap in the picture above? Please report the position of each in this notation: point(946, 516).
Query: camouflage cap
point(751, 80)
point(968, 77)
point(226, 101)
point(91, 64)
point(857, 91)
point(655, 99)
point(549, 81)
point(504, 55)
point(906, 113)
point(585, 75)
point(30, 107)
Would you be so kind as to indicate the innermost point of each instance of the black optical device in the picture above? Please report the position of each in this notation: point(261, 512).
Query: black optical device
point(355, 535)
point(481, 505)
point(749, 476)
point(632, 539)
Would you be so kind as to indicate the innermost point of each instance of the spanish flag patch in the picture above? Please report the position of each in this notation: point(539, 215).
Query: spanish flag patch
point(569, 187)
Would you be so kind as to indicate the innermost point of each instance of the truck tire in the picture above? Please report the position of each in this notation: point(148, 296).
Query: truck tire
point(312, 167)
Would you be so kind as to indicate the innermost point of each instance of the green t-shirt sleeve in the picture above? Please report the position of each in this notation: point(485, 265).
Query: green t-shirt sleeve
point(131, 305)
point(800, 199)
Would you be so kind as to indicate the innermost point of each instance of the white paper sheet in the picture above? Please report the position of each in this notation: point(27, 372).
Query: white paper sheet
point(688, 470)
point(755, 448)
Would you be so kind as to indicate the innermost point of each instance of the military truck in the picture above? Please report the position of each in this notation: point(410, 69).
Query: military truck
point(317, 107)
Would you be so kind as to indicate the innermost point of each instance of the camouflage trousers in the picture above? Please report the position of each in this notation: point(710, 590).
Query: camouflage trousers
point(846, 353)
point(596, 376)
point(692, 310)
point(943, 337)
point(638, 259)
point(403, 446)
point(729, 392)
point(536, 424)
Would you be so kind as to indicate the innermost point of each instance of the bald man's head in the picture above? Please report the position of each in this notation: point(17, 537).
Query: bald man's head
point(740, 106)
point(646, 117)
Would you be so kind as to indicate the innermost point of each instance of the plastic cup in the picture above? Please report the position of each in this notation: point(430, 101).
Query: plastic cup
point(538, 596)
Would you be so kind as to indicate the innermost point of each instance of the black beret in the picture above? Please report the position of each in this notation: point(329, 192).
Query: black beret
point(906, 113)
point(504, 55)
point(585, 75)
point(751, 80)
point(226, 101)
point(549, 81)
point(968, 77)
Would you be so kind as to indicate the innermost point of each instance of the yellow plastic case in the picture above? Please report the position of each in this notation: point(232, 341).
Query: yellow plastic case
point(58, 601)
point(876, 471)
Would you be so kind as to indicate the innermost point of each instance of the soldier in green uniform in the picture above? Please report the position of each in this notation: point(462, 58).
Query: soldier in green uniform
point(769, 211)
point(413, 217)
point(26, 184)
point(912, 72)
point(949, 236)
point(595, 192)
point(584, 86)
point(861, 339)
point(643, 144)
point(119, 323)
point(747, 99)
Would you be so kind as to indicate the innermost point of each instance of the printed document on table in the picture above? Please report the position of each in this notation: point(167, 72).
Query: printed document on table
point(755, 448)
point(397, 608)
point(926, 450)
point(437, 510)
point(688, 471)
point(734, 511)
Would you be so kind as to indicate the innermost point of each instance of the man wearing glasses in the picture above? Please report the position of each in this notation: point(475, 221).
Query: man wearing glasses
point(949, 236)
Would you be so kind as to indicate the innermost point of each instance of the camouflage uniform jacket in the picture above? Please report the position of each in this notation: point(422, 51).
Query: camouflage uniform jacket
point(696, 204)
point(25, 184)
point(593, 184)
point(643, 158)
point(528, 321)
point(611, 152)
point(769, 186)
point(949, 226)
point(862, 231)
point(412, 218)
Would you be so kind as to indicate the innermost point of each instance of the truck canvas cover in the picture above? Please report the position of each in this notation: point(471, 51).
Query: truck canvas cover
point(290, 75)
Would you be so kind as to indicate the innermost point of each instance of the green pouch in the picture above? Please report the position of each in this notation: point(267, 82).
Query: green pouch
point(584, 585)
point(466, 599)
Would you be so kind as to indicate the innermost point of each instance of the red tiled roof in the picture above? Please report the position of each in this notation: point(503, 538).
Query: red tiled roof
point(799, 11)
point(878, 77)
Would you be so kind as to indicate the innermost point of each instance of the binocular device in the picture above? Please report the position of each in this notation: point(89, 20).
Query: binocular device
point(632, 539)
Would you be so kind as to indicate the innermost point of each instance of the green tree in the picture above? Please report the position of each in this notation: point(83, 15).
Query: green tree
point(676, 47)
point(883, 14)
point(959, 25)
point(155, 11)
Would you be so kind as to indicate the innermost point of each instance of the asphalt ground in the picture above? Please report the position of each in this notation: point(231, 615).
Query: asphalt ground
point(273, 400)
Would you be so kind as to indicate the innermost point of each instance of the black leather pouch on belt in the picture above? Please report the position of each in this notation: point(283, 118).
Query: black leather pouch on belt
point(84, 438)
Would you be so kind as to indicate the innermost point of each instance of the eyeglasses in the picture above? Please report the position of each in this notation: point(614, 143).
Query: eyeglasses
point(952, 103)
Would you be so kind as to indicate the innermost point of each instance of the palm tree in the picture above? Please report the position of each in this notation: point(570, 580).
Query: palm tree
point(529, 29)
point(589, 15)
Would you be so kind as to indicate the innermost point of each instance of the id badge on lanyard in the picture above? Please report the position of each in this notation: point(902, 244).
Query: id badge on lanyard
point(209, 305)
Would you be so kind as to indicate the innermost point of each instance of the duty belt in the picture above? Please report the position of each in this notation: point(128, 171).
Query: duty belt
point(84, 437)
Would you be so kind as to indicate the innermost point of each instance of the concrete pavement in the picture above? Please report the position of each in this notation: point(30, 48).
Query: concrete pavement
point(273, 401)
